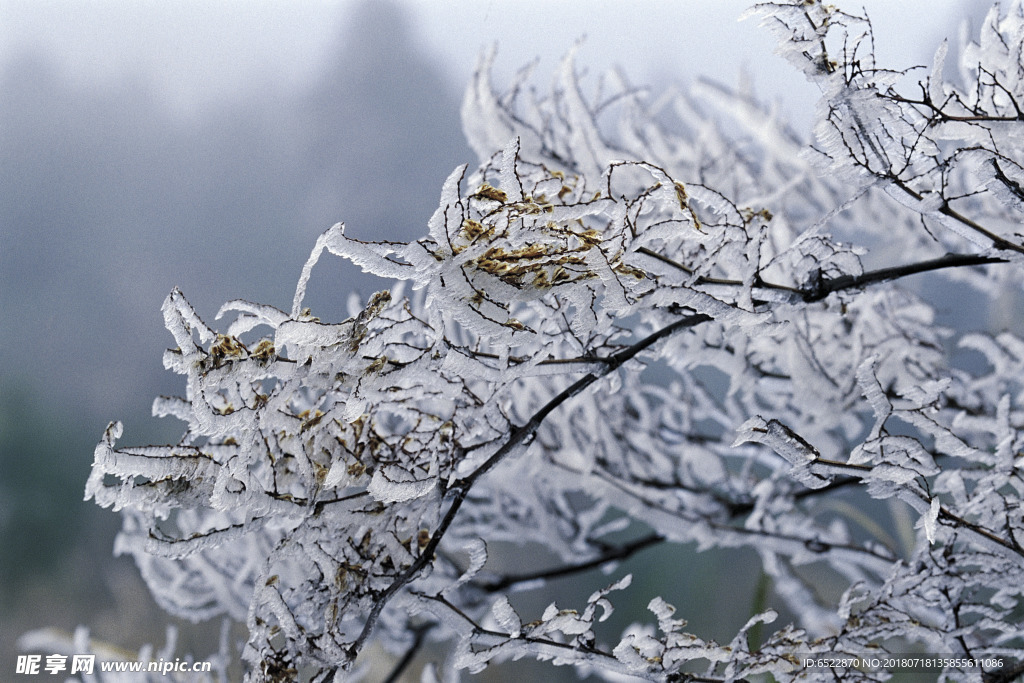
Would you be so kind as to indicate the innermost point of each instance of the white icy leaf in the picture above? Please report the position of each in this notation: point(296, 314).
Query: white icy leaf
point(873, 392)
point(477, 551)
point(627, 654)
point(444, 219)
point(483, 121)
point(509, 176)
point(664, 613)
point(395, 485)
point(927, 393)
point(935, 78)
point(337, 473)
point(506, 617)
point(778, 437)
point(929, 521)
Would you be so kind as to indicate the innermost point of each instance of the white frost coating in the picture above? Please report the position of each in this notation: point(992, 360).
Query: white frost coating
point(593, 155)
point(257, 314)
point(628, 652)
point(337, 473)
point(394, 490)
point(509, 175)
point(303, 338)
point(935, 78)
point(477, 550)
point(307, 270)
point(778, 437)
point(484, 123)
point(439, 224)
point(180, 319)
point(872, 391)
point(663, 612)
point(621, 283)
point(507, 618)
point(929, 521)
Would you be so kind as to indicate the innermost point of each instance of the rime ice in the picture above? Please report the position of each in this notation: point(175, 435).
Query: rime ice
point(666, 315)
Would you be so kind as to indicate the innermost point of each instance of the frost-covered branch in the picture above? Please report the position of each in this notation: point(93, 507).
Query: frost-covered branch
point(658, 318)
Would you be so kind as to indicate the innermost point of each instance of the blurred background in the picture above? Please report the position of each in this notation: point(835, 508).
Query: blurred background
point(205, 144)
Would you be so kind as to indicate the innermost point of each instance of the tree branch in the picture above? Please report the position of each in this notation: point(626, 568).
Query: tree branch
point(826, 286)
point(419, 636)
point(873, 277)
point(620, 553)
point(520, 436)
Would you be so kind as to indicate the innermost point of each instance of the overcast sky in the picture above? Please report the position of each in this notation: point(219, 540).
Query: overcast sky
point(195, 51)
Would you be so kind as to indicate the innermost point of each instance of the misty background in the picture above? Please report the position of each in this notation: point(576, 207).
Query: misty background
point(205, 145)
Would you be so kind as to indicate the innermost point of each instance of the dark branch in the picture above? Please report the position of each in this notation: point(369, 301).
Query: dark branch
point(419, 635)
point(824, 287)
point(844, 282)
point(615, 554)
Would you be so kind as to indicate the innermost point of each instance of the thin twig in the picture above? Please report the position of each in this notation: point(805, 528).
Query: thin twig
point(620, 553)
point(419, 636)
point(873, 277)
point(826, 286)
